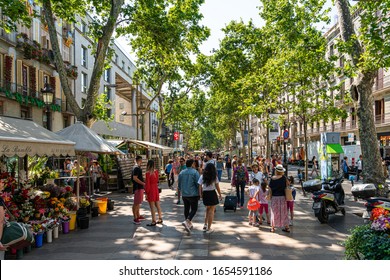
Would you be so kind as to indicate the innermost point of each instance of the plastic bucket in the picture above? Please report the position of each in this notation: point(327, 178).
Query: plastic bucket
point(102, 204)
point(55, 232)
point(95, 211)
point(65, 227)
point(110, 205)
point(83, 222)
point(49, 236)
point(39, 240)
point(72, 222)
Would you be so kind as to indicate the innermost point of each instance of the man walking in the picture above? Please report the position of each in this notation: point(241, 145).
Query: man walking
point(228, 166)
point(138, 188)
point(190, 191)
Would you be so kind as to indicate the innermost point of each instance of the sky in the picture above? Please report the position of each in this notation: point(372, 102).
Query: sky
point(217, 14)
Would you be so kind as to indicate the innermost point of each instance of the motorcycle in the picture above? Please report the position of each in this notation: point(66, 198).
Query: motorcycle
point(329, 199)
point(376, 196)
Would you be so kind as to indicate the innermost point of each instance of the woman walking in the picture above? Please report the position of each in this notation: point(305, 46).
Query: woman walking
point(279, 214)
point(209, 184)
point(239, 180)
point(314, 167)
point(152, 193)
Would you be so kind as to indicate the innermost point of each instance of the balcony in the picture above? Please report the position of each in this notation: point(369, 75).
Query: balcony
point(33, 50)
point(71, 71)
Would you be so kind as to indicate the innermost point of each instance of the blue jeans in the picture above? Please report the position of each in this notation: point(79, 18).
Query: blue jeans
point(240, 191)
point(219, 172)
point(229, 173)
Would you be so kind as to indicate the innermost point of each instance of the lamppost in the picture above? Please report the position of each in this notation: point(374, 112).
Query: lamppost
point(251, 146)
point(48, 96)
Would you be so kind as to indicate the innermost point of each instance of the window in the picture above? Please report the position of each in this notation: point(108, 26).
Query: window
point(83, 27)
point(342, 62)
point(129, 70)
point(107, 91)
point(84, 53)
point(107, 74)
point(331, 50)
point(1, 108)
point(342, 89)
point(123, 65)
point(379, 79)
point(83, 100)
point(116, 58)
point(109, 113)
point(121, 118)
point(84, 81)
point(25, 112)
point(121, 105)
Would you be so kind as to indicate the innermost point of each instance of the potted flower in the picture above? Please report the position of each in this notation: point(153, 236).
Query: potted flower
point(26, 211)
point(370, 241)
point(65, 224)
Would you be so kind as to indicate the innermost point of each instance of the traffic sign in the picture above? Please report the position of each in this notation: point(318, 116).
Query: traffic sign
point(176, 136)
point(285, 134)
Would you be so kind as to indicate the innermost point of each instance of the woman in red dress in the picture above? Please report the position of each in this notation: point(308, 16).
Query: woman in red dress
point(152, 193)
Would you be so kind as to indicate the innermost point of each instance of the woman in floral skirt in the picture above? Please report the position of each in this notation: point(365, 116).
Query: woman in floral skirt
point(279, 214)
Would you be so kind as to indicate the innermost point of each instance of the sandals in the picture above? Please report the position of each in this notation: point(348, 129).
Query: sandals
point(159, 222)
point(152, 224)
point(286, 229)
point(272, 230)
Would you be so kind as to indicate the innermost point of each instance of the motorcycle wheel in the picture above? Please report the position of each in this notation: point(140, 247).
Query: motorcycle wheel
point(322, 215)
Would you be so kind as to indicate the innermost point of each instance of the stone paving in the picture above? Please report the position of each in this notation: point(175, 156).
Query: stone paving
point(113, 236)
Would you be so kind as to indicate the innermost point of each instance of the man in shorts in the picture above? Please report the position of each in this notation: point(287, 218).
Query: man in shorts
point(138, 188)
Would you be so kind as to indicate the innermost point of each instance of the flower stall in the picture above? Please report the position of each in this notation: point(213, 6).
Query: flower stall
point(371, 241)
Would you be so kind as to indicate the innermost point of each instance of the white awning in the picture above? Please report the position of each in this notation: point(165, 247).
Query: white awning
point(19, 137)
point(152, 146)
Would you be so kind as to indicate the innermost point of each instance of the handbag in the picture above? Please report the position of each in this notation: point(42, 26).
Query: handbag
point(16, 235)
point(253, 204)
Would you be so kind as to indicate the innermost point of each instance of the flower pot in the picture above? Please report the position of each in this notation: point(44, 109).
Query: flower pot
point(39, 240)
point(95, 211)
point(82, 212)
point(72, 222)
point(83, 222)
point(65, 227)
point(110, 205)
point(49, 236)
point(55, 232)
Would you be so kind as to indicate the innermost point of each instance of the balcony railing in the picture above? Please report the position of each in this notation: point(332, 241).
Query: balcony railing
point(8, 88)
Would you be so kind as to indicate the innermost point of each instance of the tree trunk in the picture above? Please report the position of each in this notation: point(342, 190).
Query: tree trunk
point(306, 154)
point(59, 62)
point(372, 162)
point(361, 92)
point(100, 56)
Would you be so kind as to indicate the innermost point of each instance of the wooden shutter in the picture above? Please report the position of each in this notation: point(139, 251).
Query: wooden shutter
point(19, 73)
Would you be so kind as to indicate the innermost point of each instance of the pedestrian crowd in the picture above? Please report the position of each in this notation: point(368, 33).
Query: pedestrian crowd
point(264, 189)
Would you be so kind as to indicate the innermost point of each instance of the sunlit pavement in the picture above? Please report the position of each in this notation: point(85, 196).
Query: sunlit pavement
point(114, 236)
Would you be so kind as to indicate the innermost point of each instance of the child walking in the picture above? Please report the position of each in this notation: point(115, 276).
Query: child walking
point(253, 193)
point(263, 197)
point(290, 197)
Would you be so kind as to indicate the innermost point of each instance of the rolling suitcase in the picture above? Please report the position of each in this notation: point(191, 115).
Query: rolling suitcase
point(230, 202)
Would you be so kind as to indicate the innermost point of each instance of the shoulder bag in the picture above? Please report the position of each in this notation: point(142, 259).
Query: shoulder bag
point(16, 235)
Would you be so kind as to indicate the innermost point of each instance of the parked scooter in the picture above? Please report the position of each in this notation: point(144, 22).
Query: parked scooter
point(376, 196)
point(328, 197)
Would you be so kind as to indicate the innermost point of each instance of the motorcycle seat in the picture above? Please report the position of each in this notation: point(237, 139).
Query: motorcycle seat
point(381, 198)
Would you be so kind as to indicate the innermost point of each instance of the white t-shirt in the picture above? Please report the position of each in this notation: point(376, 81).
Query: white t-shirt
point(252, 190)
point(359, 164)
point(207, 187)
point(259, 176)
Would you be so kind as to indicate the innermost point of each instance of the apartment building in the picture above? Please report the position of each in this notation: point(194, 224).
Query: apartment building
point(26, 66)
point(347, 127)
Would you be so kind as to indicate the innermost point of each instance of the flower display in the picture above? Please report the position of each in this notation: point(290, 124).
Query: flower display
point(380, 219)
point(84, 202)
point(27, 210)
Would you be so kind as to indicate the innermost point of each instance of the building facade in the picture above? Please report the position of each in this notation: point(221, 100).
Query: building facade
point(27, 65)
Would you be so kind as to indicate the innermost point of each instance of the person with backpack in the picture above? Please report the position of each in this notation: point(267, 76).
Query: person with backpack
point(239, 180)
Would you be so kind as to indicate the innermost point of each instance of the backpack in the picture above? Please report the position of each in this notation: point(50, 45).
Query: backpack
point(240, 174)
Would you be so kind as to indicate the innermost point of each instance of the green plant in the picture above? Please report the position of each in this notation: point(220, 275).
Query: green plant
point(366, 243)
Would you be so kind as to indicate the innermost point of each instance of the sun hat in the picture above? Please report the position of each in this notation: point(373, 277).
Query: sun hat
point(280, 168)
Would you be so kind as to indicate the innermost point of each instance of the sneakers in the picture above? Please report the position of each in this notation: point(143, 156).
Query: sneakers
point(256, 224)
point(210, 230)
point(291, 223)
point(205, 227)
point(186, 226)
point(136, 221)
point(141, 218)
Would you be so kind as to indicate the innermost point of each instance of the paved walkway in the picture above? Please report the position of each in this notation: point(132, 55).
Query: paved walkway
point(114, 236)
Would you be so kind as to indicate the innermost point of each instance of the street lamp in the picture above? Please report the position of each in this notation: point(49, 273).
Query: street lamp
point(48, 96)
